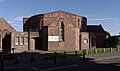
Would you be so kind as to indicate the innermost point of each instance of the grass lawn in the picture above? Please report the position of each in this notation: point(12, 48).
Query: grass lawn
point(50, 55)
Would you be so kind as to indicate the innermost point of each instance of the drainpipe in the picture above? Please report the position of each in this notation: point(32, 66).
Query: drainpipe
point(89, 40)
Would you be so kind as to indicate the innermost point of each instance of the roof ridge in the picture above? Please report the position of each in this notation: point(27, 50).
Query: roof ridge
point(63, 12)
point(1, 18)
point(7, 23)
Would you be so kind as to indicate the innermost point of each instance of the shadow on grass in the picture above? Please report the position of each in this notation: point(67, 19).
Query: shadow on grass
point(62, 59)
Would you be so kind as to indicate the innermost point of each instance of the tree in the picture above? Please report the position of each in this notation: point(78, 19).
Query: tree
point(107, 34)
point(113, 41)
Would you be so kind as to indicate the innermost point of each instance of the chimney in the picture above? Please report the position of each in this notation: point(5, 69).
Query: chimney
point(25, 19)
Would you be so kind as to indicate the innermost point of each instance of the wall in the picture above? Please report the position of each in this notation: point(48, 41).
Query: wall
point(72, 28)
point(19, 47)
point(75, 28)
point(100, 39)
point(0, 41)
point(84, 40)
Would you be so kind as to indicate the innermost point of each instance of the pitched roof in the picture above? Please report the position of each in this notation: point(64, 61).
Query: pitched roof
point(5, 25)
point(60, 11)
point(95, 28)
point(63, 12)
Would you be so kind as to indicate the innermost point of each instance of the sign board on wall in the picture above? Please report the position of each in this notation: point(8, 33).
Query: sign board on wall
point(53, 38)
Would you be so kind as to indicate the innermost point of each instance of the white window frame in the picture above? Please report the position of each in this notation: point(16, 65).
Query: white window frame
point(21, 40)
point(16, 40)
point(61, 31)
point(85, 41)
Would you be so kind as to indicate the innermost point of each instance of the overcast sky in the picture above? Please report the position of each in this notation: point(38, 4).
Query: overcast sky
point(104, 12)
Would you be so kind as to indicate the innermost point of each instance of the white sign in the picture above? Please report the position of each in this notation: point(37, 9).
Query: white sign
point(53, 38)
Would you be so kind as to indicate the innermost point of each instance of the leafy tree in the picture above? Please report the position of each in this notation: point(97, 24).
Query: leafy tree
point(107, 35)
point(113, 41)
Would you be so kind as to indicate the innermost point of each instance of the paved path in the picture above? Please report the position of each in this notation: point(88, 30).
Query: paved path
point(104, 56)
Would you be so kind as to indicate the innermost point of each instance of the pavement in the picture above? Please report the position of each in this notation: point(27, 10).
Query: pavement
point(103, 56)
point(96, 62)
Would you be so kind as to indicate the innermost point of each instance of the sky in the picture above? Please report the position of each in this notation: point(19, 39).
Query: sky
point(104, 12)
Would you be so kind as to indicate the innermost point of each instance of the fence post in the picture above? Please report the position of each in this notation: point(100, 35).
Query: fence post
point(86, 52)
point(64, 52)
point(76, 53)
point(83, 54)
point(13, 50)
point(118, 49)
point(95, 50)
point(54, 57)
point(110, 49)
point(103, 50)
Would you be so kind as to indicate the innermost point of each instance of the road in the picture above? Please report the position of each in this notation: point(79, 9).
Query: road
point(110, 64)
point(102, 62)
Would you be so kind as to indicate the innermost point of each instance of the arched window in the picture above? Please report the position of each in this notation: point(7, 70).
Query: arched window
point(61, 31)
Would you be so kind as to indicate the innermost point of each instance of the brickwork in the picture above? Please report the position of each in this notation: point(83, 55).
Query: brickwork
point(57, 30)
point(49, 25)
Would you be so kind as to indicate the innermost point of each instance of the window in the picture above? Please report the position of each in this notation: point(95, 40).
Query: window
point(17, 41)
point(85, 41)
point(22, 41)
point(61, 31)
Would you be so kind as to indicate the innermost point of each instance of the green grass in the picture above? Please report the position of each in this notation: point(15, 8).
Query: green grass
point(50, 55)
point(74, 53)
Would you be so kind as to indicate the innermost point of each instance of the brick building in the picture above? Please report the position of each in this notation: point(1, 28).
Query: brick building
point(100, 35)
point(5, 29)
point(61, 30)
point(57, 30)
